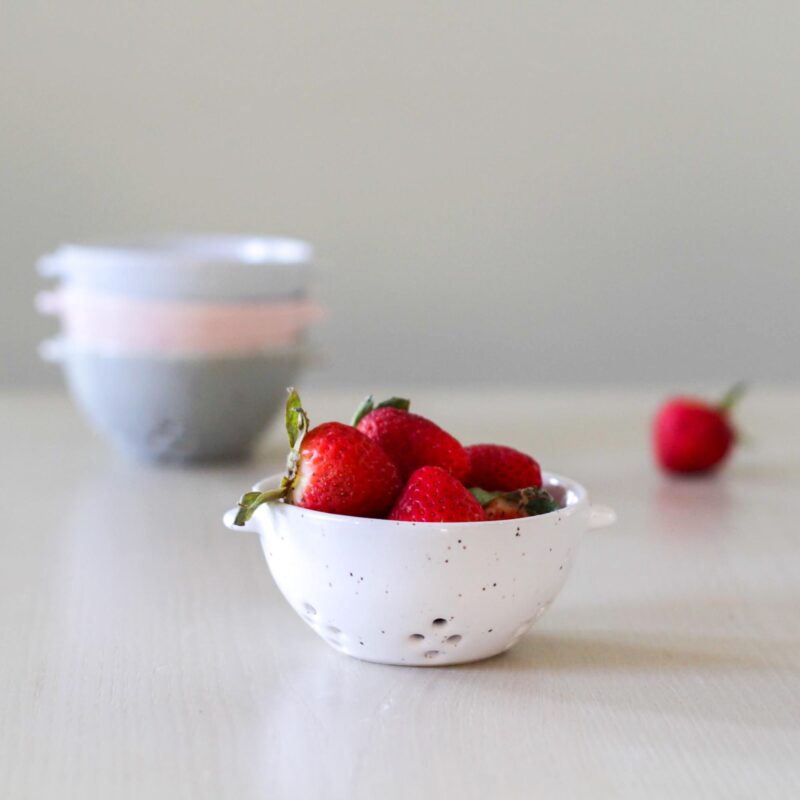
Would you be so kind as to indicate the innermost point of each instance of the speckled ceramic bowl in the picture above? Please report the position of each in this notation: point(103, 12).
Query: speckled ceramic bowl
point(178, 407)
point(421, 593)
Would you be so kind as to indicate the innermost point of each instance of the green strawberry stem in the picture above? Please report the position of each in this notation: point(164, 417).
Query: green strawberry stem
point(296, 428)
point(252, 500)
point(732, 397)
point(368, 404)
point(484, 497)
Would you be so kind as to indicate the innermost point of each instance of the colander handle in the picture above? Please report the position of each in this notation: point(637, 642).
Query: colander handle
point(248, 527)
point(601, 517)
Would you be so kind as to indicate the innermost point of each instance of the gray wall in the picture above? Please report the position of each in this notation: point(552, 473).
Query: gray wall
point(503, 191)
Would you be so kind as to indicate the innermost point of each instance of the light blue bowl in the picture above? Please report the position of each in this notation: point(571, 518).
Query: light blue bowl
point(178, 408)
point(217, 268)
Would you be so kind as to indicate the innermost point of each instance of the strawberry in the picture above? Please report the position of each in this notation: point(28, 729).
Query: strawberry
point(497, 468)
point(692, 436)
point(528, 502)
point(433, 495)
point(332, 468)
point(342, 472)
point(409, 440)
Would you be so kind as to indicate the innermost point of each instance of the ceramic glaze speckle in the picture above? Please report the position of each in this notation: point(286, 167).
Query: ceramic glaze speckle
point(421, 594)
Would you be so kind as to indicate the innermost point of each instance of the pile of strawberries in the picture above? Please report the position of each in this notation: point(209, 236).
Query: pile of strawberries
point(395, 464)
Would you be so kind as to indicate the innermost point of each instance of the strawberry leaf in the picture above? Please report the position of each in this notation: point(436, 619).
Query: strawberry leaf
point(250, 501)
point(484, 497)
point(531, 501)
point(296, 429)
point(368, 404)
point(294, 417)
point(537, 501)
point(732, 397)
point(395, 402)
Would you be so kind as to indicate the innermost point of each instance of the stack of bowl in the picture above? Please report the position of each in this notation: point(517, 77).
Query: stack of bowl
point(180, 348)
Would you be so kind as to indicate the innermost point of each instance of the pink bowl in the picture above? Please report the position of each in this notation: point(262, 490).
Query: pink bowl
point(145, 325)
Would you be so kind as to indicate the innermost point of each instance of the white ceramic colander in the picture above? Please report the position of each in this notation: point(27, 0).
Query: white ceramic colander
point(422, 593)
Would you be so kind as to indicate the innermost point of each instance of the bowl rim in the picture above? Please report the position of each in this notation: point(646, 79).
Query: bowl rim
point(577, 498)
point(180, 250)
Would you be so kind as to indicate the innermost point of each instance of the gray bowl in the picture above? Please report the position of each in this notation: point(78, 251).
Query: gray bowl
point(178, 408)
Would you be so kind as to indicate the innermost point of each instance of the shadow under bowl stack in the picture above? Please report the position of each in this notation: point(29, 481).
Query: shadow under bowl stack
point(180, 348)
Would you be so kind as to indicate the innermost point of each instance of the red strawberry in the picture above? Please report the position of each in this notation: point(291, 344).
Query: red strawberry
point(332, 468)
point(692, 436)
point(409, 440)
point(433, 495)
point(528, 502)
point(341, 471)
point(497, 468)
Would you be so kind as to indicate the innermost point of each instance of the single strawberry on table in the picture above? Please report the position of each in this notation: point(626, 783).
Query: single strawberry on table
point(693, 436)
point(495, 467)
point(332, 467)
point(433, 495)
point(411, 441)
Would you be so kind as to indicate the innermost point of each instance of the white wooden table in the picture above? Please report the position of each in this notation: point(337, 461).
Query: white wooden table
point(145, 652)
